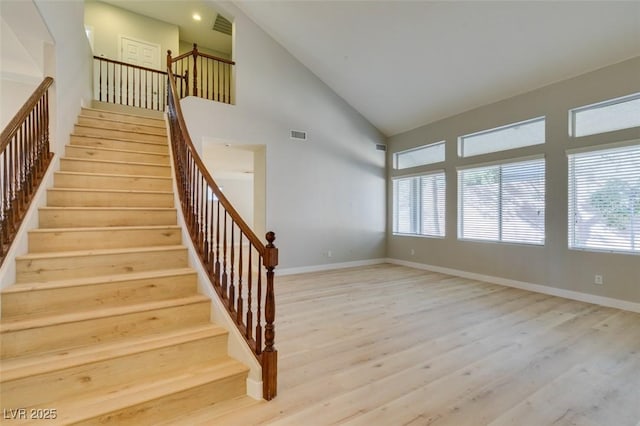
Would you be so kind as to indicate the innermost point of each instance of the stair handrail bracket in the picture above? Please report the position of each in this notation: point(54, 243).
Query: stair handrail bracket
point(240, 267)
point(24, 159)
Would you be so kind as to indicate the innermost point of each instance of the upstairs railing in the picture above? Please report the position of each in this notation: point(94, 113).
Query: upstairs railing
point(240, 267)
point(204, 76)
point(24, 158)
point(127, 84)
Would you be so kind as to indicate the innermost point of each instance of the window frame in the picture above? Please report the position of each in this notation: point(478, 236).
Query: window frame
point(597, 105)
point(418, 148)
point(500, 205)
point(461, 139)
point(572, 199)
point(418, 224)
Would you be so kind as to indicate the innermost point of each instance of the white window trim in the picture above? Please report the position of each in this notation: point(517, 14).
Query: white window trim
point(608, 102)
point(460, 222)
point(419, 214)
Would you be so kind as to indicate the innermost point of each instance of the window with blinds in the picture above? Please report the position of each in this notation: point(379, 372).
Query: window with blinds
point(503, 202)
point(615, 114)
point(604, 199)
point(419, 205)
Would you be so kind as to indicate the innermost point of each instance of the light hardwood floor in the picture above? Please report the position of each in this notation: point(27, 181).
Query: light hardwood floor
point(390, 345)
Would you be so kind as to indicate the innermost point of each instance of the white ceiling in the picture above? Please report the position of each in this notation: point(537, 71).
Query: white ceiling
point(403, 64)
point(180, 13)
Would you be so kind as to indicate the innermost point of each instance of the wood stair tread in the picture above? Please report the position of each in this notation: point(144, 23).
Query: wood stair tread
point(105, 228)
point(18, 323)
point(132, 132)
point(111, 138)
point(108, 400)
point(79, 174)
point(58, 208)
point(158, 122)
point(100, 279)
point(103, 111)
point(134, 163)
point(118, 191)
point(19, 367)
point(77, 253)
point(209, 415)
point(124, 151)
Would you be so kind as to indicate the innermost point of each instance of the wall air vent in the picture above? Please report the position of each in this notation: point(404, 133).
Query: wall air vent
point(298, 135)
point(222, 25)
point(381, 147)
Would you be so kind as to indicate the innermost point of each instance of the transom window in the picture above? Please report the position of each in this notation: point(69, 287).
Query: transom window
point(427, 154)
point(615, 114)
point(516, 135)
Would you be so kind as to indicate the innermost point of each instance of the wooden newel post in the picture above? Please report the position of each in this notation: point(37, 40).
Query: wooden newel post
point(168, 58)
point(270, 354)
point(195, 69)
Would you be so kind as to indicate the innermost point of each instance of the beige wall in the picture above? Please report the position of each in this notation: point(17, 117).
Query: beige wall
point(554, 264)
point(110, 22)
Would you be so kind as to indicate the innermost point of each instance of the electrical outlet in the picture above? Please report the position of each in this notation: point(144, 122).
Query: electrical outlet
point(598, 279)
point(329, 254)
point(413, 252)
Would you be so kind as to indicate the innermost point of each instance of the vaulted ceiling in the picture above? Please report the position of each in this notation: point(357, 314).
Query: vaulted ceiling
point(405, 63)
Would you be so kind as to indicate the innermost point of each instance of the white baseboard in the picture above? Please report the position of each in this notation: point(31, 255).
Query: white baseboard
point(328, 267)
point(254, 389)
point(552, 291)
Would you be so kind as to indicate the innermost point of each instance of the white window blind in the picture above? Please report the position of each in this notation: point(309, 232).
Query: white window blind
point(516, 135)
point(615, 114)
point(504, 202)
point(428, 154)
point(604, 199)
point(419, 205)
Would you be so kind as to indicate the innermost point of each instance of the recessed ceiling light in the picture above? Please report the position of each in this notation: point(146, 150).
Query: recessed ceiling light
point(196, 17)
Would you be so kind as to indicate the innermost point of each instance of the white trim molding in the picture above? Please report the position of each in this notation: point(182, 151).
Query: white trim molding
point(552, 291)
point(328, 267)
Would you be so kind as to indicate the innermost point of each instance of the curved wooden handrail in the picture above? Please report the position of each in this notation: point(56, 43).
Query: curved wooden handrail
point(16, 122)
point(234, 258)
point(203, 169)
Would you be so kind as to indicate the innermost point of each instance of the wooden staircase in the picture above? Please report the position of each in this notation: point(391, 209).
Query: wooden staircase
point(104, 323)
